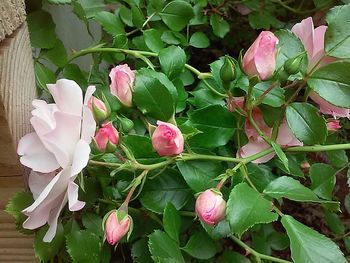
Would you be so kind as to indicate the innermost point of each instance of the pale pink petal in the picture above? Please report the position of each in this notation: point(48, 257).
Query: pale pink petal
point(80, 157)
point(40, 216)
point(252, 148)
point(88, 94)
point(43, 112)
point(73, 202)
point(62, 140)
point(37, 182)
point(35, 155)
point(286, 137)
point(88, 125)
point(305, 31)
point(68, 96)
point(328, 108)
point(52, 221)
point(318, 46)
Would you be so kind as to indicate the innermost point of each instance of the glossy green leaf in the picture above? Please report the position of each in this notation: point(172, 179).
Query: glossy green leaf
point(153, 98)
point(200, 175)
point(57, 55)
point(89, 252)
point(110, 23)
point(338, 158)
point(274, 98)
point(332, 83)
point(280, 154)
point(306, 124)
point(219, 25)
point(43, 75)
point(140, 252)
point(41, 29)
point(163, 248)
point(73, 72)
point(177, 14)
point(172, 221)
point(216, 123)
point(165, 188)
point(200, 246)
point(322, 180)
point(309, 246)
point(246, 208)
point(233, 257)
point(172, 61)
point(334, 223)
point(93, 222)
point(153, 40)
point(337, 38)
point(199, 40)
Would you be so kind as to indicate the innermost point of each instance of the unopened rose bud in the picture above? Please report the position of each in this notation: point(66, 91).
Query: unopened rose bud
point(260, 58)
point(210, 207)
point(107, 138)
point(228, 71)
point(117, 225)
point(167, 139)
point(305, 165)
point(122, 81)
point(333, 125)
point(292, 65)
point(100, 109)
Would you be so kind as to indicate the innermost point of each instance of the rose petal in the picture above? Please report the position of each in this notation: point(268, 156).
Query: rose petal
point(38, 181)
point(80, 157)
point(252, 148)
point(73, 202)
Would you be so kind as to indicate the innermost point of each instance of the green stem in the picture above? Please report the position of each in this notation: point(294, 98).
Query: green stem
point(257, 254)
point(318, 148)
point(189, 157)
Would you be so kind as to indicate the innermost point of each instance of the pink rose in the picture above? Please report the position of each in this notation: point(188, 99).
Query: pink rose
point(117, 226)
point(56, 152)
point(257, 144)
point(107, 138)
point(167, 139)
point(260, 58)
point(327, 108)
point(99, 109)
point(210, 207)
point(333, 125)
point(122, 81)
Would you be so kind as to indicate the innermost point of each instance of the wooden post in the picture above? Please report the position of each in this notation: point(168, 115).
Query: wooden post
point(17, 90)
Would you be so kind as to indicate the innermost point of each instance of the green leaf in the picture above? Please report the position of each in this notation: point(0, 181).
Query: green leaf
point(153, 98)
point(293, 165)
point(14, 207)
point(172, 221)
point(73, 72)
point(334, 223)
point(41, 29)
point(219, 25)
point(163, 248)
point(332, 83)
point(338, 158)
point(306, 124)
point(200, 246)
point(46, 251)
point(216, 123)
point(84, 246)
point(153, 40)
point(278, 241)
point(322, 180)
point(43, 75)
point(260, 175)
point(281, 155)
point(140, 146)
point(309, 246)
point(165, 188)
point(177, 14)
point(137, 16)
point(172, 61)
point(140, 252)
point(200, 175)
point(199, 40)
point(204, 97)
point(292, 189)
point(57, 55)
point(126, 15)
point(233, 257)
point(289, 47)
point(275, 97)
point(246, 208)
point(91, 7)
point(110, 23)
point(93, 222)
point(337, 38)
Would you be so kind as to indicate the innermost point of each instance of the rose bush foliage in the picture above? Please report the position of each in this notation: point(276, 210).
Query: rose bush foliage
point(167, 159)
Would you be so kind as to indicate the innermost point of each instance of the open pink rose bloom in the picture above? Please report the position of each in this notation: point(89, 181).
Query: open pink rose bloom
point(57, 152)
point(313, 41)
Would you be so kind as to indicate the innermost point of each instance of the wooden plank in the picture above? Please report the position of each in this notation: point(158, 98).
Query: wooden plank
point(12, 15)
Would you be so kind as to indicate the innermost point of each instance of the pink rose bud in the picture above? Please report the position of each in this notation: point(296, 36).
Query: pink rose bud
point(122, 81)
point(117, 225)
point(167, 139)
point(333, 125)
point(210, 207)
point(99, 109)
point(305, 165)
point(107, 138)
point(260, 58)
